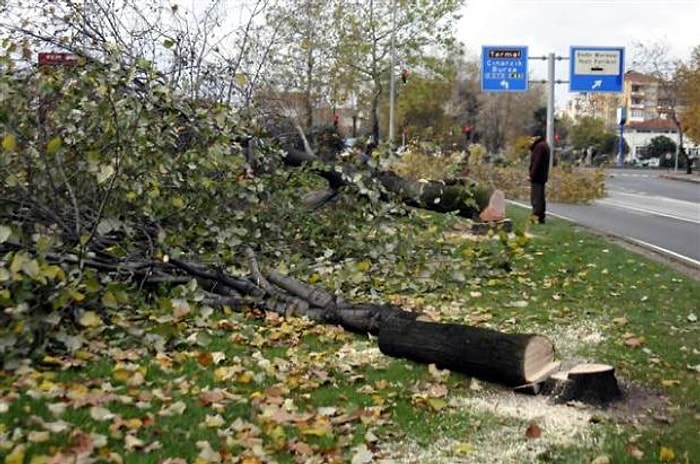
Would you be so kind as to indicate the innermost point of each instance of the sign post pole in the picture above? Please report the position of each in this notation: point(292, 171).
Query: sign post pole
point(550, 107)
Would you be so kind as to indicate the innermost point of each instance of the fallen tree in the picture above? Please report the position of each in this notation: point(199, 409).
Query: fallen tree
point(463, 196)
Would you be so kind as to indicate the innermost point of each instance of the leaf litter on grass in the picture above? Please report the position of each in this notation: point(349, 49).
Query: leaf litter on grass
point(214, 368)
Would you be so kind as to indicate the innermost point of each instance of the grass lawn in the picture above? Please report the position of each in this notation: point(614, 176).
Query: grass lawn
point(197, 386)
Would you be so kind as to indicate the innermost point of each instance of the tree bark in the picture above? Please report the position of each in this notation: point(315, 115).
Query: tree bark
point(510, 359)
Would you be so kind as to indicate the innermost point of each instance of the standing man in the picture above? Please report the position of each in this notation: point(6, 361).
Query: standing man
point(539, 173)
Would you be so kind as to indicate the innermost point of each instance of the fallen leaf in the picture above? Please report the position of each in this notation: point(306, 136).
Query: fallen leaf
point(131, 442)
point(362, 455)
point(100, 414)
point(174, 409)
point(36, 436)
point(437, 404)
point(16, 456)
point(56, 427)
point(475, 385)
point(463, 448)
point(666, 454)
point(440, 375)
point(137, 379)
point(207, 454)
point(533, 430)
point(634, 342)
point(214, 421)
point(602, 459)
point(438, 390)
point(635, 452)
point(205, 359)
point(57, 408)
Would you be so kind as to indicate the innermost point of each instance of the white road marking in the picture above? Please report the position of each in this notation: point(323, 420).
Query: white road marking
point(642, 243)
point(666, 207)
point(678, 256)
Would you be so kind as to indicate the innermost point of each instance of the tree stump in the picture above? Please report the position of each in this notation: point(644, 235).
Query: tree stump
point(589, 383)
point(509, 359)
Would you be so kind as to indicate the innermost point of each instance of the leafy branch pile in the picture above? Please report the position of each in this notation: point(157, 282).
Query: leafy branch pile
point(565, 184)
point(119, 196)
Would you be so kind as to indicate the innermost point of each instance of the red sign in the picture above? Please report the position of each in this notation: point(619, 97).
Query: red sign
point(58, 59)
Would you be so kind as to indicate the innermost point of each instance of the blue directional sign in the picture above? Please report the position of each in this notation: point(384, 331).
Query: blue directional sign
point(596, 69)
point(504, 69)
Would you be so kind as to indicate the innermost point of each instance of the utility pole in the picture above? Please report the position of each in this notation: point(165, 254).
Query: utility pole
point(392, 77)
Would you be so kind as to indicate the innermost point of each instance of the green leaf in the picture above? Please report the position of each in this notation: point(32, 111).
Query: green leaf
point(437, 404)
point(5, 233)
point(90, 319)
point(109, 300)
point(168, 43)
point(106, 171)
point(53, 145)
point(9, 143)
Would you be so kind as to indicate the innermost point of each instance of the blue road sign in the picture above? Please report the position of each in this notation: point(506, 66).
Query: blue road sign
point(503, 69)
point(596, 69)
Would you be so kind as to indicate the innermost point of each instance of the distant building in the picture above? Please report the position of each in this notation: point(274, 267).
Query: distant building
point(646, 108)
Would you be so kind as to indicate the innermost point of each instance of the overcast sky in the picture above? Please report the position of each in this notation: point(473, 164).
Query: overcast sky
point(552, 26)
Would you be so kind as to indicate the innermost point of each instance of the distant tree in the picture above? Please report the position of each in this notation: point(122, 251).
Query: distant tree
point(303, 54)
point(421, 109)
point(660, 146)
point(561, 126)
point(464, 104)
point(655, 60)
point(690, 90)
point(503, 120)
point(611, 144)
point(368, 31)
point(592, 132)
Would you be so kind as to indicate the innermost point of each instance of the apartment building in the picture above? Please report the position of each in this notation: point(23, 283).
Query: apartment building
point(646, 106)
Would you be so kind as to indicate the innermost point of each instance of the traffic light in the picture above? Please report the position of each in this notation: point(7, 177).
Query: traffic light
point(467, 133)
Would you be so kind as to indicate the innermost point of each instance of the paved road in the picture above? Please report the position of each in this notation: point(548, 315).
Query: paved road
point(642, 206)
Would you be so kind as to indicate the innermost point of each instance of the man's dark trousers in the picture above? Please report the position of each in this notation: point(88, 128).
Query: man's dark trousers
point(538, 201)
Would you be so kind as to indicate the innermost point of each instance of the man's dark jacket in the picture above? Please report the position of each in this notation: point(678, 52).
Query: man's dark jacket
point(539, 161)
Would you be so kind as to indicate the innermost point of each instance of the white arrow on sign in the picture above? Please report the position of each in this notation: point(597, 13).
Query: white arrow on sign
point(597, 84)
point(504, 84)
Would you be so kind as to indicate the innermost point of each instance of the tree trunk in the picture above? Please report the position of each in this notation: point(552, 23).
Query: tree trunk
point(466, 197)
point(589, 383)
point(510, 359)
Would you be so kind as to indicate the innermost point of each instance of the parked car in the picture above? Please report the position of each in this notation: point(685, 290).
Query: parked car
point(650, 162)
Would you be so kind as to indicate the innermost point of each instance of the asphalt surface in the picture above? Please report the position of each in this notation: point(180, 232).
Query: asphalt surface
point(661, 222)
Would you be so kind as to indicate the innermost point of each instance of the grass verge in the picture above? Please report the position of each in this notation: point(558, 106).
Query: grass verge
point(229, 387)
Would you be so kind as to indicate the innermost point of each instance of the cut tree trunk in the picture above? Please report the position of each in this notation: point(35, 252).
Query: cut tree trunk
point(588, 383)
point(510, 359)
point(465, 196)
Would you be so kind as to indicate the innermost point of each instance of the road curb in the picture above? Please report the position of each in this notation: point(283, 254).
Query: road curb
point(692, 177)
